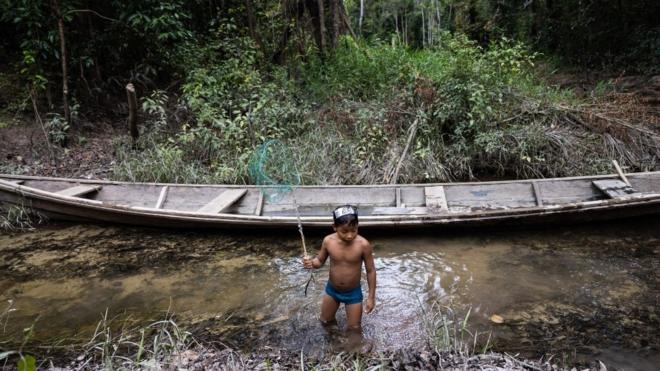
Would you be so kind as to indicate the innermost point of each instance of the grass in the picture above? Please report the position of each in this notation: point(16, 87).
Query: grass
point(163, 344)
point(447, 331)
point(19, 217)
point(157, 345)
point(24, 360)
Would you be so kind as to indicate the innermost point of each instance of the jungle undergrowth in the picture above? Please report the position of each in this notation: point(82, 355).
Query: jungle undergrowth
point(479, 113)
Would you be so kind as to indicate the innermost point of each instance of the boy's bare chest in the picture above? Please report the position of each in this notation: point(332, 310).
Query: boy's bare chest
point(344, 254)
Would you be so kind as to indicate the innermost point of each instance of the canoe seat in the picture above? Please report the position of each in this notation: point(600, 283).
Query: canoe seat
point(79, 190)
point(223, 201)
point(614, 188)
point(436, 201)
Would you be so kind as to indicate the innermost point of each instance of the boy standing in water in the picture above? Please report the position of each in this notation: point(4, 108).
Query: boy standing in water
point(347, 250)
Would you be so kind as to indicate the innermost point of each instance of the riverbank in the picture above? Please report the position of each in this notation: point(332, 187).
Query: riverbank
point(436, 116)
point(165, 346)
point(207, 358)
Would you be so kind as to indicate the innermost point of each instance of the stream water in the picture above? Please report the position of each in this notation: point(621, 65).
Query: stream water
point(580, 293)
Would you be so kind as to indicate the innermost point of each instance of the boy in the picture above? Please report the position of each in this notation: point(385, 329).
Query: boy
point(347, 250)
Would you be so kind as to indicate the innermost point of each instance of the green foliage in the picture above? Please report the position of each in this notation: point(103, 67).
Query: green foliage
point(358, 71)
point(162, 20)
point(57, 129)
point(155, 106)
point(478, 106)
point(587, 34)
point(231, 99)
point(27, 363)
point(481, 111)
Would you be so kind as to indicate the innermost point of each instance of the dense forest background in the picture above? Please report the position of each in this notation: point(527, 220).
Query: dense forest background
point(450, 89)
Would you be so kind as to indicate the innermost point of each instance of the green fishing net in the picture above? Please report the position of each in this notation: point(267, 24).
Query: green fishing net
point(272, 169)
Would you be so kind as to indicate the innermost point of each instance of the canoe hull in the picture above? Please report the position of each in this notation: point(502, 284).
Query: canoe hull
point(84, 210)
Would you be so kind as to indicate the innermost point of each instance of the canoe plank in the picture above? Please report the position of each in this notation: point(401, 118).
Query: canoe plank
point(222, 202)
point(614, 188)
point(537, 194)
point(78, 191)
point(399, 211)
point(260, 205)
point(436, 201)
point(162, 197)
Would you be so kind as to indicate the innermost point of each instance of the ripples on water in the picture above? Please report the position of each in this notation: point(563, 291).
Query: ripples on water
point(544, 283)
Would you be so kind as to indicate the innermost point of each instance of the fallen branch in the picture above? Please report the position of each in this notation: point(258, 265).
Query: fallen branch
point(412, 132)
point(39, 121)
point(614, 120)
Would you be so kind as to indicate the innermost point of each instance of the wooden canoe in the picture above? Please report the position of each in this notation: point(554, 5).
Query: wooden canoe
point(410, 205)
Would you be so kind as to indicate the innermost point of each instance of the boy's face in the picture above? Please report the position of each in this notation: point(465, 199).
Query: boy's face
point(346, 232)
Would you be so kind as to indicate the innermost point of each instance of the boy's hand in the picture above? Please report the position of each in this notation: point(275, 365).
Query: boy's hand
point(307, 262)
point(371, 304)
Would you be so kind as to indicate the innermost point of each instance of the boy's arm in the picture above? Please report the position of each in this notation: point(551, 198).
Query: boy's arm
point(368, 256)
point(319, 259)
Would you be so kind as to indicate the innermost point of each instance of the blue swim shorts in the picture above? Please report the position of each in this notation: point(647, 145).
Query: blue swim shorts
point(352, 296)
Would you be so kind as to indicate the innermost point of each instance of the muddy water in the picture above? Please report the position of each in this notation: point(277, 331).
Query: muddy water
point(580, 293)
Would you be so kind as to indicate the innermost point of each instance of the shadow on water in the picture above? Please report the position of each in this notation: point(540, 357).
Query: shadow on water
point(585, 292)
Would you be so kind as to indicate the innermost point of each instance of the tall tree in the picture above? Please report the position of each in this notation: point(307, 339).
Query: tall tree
point(63, 59)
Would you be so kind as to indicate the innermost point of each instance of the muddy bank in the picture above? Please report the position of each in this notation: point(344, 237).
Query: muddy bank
point(208, 358)
point(89, 154)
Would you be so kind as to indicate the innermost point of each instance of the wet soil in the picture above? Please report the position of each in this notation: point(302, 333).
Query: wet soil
point(89, 154)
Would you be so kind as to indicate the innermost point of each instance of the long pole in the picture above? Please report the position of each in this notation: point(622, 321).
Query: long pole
point(300, 227)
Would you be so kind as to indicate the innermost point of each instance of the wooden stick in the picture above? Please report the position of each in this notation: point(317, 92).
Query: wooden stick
point(302, 238)
point(621, 175)
point(132, 112)
point(300, 227)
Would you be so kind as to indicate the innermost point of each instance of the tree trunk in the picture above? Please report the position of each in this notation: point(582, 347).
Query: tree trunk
point(396, 22)
point(279, 56)
point(361, 16)
point(423, 28)
point(335, 9)
point(252, 23)
point(438, 20)
point(404, 26)
point(317, 15)
point(65, 75)
point(346, 24)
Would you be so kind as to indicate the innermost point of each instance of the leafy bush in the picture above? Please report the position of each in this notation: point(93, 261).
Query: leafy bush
point(479, 112)
point(358, 71)
point(57, 129)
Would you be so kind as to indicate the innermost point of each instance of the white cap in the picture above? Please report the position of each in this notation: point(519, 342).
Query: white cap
point(344, 210)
